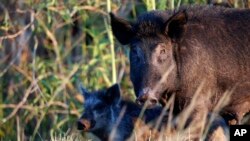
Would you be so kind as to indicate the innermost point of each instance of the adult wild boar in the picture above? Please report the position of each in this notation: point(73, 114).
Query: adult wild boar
point(179, 51)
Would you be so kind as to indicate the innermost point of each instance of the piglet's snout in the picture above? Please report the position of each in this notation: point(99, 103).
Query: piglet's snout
point(83, 124)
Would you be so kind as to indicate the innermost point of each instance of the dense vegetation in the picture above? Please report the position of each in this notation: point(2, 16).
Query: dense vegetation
point(48, 48)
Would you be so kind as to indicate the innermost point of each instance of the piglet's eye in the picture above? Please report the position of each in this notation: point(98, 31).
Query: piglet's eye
point(99, 108)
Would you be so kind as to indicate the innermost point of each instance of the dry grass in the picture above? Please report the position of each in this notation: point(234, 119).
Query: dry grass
point(175, 130)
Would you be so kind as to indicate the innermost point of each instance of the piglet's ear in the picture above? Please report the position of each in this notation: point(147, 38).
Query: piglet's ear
point(122, 29)
point(113, 94)
point(85, 92)
point(175, 26)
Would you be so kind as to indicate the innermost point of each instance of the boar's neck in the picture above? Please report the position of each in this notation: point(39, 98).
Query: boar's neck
point(132, 109)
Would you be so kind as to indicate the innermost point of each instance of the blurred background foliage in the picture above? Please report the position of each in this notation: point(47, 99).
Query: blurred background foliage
point(49, 47)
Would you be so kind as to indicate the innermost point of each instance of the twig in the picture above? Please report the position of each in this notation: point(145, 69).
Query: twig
point(20, 70)
point(53, 39)
point(58, 90)
point(112, 45)
point(31, 108)
point(21, 46)
point(41, 108)
point(72, 112)
point(20, 104)
point(16, 34)
point(91, 8)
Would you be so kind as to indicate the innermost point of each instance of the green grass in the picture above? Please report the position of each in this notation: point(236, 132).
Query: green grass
point(49, 47)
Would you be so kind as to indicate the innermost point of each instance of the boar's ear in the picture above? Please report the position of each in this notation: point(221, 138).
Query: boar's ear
point(174, 27)
point(122, 29)
point(113, 94)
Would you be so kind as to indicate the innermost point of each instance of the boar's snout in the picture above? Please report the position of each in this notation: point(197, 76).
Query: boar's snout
point(148, 100)
point(85, 125)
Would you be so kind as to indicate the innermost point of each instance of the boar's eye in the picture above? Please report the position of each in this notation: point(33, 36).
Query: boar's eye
point(162, 48)
point(163, 51)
